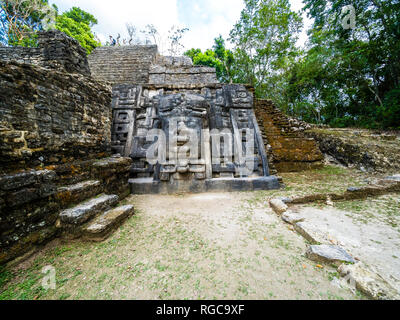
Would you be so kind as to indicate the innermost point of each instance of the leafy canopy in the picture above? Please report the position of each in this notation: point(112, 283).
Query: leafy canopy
point(77, 24)
point(219, 58)
point(21, 19)
point(351, 75)
point(265, 46)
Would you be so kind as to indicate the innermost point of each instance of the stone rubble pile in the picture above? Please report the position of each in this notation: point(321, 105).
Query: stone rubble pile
point(325, 249)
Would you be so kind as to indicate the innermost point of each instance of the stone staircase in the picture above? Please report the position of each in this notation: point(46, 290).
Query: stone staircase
point(126, 64)
point(72, 199)
point(90, 211)
point(92, 214)
point(287, 147)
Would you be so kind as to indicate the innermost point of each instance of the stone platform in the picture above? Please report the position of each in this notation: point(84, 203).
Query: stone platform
point(149, 186)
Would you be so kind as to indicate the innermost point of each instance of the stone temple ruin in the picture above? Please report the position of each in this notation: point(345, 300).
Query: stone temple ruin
point(167, 93)
point(78, 134)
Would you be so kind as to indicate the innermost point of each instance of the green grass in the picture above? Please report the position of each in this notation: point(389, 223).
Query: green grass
point(328, 179)
point(385, 208)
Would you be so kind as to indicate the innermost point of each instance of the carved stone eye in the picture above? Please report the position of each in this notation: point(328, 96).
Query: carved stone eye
point(220, 100)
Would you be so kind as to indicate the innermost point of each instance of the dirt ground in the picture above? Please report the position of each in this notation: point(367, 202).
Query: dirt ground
point(206, 246)
point(220, 246)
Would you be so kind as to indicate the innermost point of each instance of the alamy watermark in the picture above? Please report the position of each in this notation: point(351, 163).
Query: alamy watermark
point(181, 144)
point(49, 279)
point(348, 17)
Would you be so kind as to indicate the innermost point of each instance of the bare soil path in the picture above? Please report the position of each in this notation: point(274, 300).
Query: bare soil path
point(206, 246)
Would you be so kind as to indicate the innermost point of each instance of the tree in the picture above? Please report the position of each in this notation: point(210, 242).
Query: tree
point(175, 35)
point(151, 32)
point(132, 32)
point(77, 24)
point(355, 72)
point(210, 59)
point(167, 44)
point(265, 46)
point(192, 53)
point(219, 58)
point(225, 56)
point(21, 19)
point(80, 16)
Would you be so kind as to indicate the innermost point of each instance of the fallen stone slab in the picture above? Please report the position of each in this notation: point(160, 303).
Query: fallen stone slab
point(312, 233)
point(285, 200)
point(380, 187)
point(102, 226)
point(368, 282)
point(84, 211)
point(328, 254)
point(291, 217)
point(278, 206)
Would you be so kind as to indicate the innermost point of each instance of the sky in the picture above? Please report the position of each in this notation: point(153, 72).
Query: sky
point(205, 19)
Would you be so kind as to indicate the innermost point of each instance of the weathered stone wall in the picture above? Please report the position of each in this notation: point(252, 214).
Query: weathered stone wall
point(143, 65)
point(30, 201)
point(55, 135)
point(287, 147)
point(180, 70)
point(361, 148)
point(21, 55)
point(55, 51)
point(48, 117)
point(127, 64)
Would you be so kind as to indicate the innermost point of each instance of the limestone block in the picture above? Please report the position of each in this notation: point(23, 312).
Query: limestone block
point(78, 192)
point(104, 224)
point(278, 206)
point(369, 282)
point(313, 234)
point(88, 209)
point(395, 177)
point(291, 217)
point(328, 254)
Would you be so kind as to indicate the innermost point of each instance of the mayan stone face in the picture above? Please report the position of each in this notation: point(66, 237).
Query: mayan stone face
point(183, 119)
point(195, 134)
point(183, 129)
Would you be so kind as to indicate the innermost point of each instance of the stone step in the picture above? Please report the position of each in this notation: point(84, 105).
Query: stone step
point(88, 209)
point(101, 227)
point(74, 194)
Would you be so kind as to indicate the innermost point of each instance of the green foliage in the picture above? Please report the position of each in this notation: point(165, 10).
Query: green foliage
point(28, 40)
point(390, 111)
point(264, 39)
point(219, 58)
point(21, 19)
point(343, 77)
point(77, 24)
point(80, 16)
point(192, 53)
point(349, 75)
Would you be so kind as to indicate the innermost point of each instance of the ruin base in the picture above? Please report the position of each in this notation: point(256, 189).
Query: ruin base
point(149, 186)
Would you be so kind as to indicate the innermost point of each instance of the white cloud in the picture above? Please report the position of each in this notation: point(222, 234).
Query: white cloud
point(113, 15)
point(214, 18)
point(206, 19)
point(297, 5)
